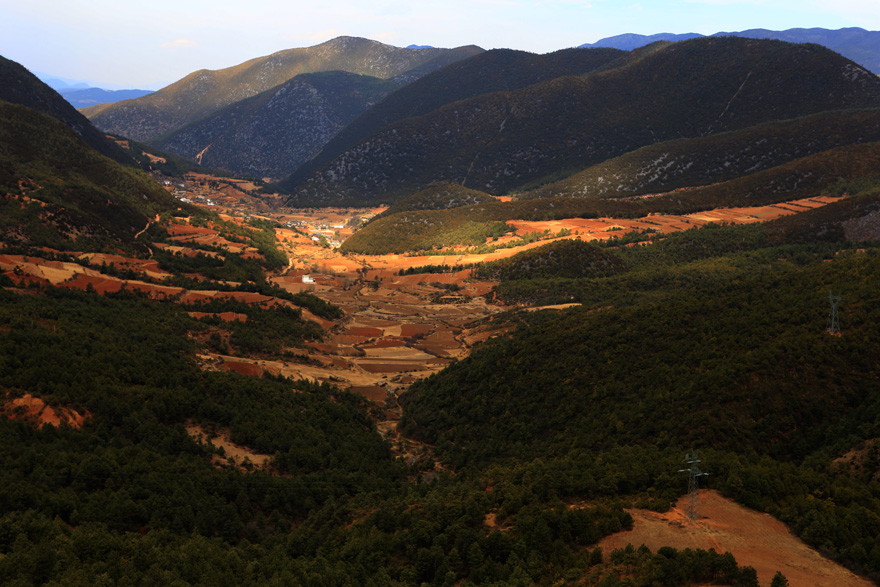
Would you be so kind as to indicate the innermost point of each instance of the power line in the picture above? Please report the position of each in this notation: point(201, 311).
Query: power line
point(692, 458)
point(833, 319)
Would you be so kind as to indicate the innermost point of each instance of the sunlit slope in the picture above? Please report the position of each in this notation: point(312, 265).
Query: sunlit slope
point(204, 91)
point(826, 172)
point(700, 161)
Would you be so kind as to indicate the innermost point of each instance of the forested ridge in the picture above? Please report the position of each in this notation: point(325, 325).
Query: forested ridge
point(715, 338)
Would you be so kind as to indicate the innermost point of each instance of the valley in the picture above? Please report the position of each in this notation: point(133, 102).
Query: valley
point(466, 338)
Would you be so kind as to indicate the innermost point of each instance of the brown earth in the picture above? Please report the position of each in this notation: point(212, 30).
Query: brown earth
point(239, 455)
point(36, 411)
point(753, 538)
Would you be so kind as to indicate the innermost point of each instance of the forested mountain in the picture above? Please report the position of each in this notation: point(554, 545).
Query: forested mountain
point(506, 141)
point(60, 192)
point(19, 86)
point(853, 43)
point(204, 92)
point(280, 129)
point(679, 163)
point(493, 71)
point(716, 338)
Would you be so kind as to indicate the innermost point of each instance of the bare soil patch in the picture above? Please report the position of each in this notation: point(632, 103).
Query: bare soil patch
point(374, 393)
point(35, 410)
point(242, 367)
point(753, 538)
point(241, 456)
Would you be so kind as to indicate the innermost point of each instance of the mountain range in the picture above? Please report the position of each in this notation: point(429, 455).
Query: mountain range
point(855, 43)
point(295, 131)
point(203, 92)
point(83, 94)
point(282, 128)
point(510, 141)
point(498, 70)
point(85, 97)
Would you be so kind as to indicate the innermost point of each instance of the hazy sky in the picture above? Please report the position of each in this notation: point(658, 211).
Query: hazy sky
point(149, 43)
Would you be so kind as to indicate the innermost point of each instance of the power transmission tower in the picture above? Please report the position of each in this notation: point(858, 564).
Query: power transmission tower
point(692, 459)
point(833, 320)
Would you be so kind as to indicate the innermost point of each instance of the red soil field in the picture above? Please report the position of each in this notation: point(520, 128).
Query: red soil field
point(385, 343)
point(391, 367)
point(364, 331)
point(242, 367)
point(101, 285)
point(415, 330)
point(186, 230)
point(374, 393)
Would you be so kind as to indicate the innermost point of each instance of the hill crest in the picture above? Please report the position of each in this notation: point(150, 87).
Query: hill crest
point(205, 91)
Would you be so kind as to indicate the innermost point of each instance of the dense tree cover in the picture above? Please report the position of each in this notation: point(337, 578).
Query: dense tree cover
point(266, 331)
point(86, 200)
point(705, 160)
point(566, 258)
point(133, 498)
point(713, 338)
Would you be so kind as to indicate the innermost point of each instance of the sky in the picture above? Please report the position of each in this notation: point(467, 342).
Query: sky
point(147, 44)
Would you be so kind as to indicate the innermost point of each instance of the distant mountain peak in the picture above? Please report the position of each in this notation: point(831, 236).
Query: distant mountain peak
point(854, 43)
point(630, 41)
point(420, 47)
point(204, 92)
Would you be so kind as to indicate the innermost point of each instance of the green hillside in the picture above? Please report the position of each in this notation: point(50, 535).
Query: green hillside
point(20, 86)
point(717, 339)
point(204, 91)
point(565, 259)
point(60, 192)
point(700, 161)
point(442, 195)
point(493, 71)
point(827, 172)
point(505, 141)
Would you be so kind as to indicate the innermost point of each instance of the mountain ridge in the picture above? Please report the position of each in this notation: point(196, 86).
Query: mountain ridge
point(20, 86)
point(491, 71)
point(205, 91)
point(85, 97)
point(501, 141)
point(855, 43)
